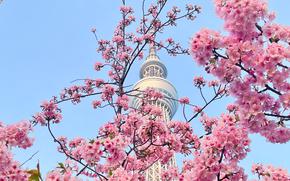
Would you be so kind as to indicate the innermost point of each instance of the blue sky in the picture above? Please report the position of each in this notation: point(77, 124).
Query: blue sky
point(47, 44)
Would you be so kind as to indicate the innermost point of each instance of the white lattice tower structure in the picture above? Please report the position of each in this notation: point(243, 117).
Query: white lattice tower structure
point(153, 74)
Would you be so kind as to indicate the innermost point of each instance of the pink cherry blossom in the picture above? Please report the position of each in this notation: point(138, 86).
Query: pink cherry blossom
point(96, 104)
point(98, 66)
point(14, 135)
point(50, 112)
point(270, 173)
point(199, 81)
point(184, 100)
point(123, 102)
point(254, 70)
point(107, 92)
point(250, 62)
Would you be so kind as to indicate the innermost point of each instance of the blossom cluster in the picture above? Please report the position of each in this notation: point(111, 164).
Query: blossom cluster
point(148, 138)
point(199, 81)
point(50, 113)
point(219, 153)
point(64, 171)
point(240, 16)
point(252, 61)
point(270, 173)
point(14, 135)
point(184, 100)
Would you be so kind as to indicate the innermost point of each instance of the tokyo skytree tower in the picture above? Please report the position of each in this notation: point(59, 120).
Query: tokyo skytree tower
point(153, 74)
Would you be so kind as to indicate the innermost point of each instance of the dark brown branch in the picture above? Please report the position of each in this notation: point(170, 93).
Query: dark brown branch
point(208, 103)
point(201, 93)
point(220, 161)
point(246, 70)
point(217, 54)
point(137, 47)
point(82, 96)
point(183, 111)
point(272, 89)
point(82, 170)
point(277, 115)
point(259, 28)
point(281, 65)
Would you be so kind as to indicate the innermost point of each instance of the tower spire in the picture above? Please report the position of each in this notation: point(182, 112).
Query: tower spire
point(153, 67)
point(152, 48)
point(153, 75)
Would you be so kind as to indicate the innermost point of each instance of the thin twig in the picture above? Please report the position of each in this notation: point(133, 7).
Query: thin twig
point(30, 158)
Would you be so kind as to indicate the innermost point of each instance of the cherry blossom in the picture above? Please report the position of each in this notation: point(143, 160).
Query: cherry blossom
point(268, 172)
point(184, 100)
point(249, 62)
point(219, 153)
point(14, 135)
point(253, 58)
point(50, 112)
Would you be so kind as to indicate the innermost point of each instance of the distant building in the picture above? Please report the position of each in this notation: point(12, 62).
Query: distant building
point(153, 74)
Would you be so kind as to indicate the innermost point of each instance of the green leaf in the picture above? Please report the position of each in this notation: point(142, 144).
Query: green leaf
point(92, 141)
point(110, 173)
point(111, 135)
point(60, 165)
point(34, 175)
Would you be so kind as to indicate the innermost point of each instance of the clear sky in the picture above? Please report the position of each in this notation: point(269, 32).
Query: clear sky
point(44, 45)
